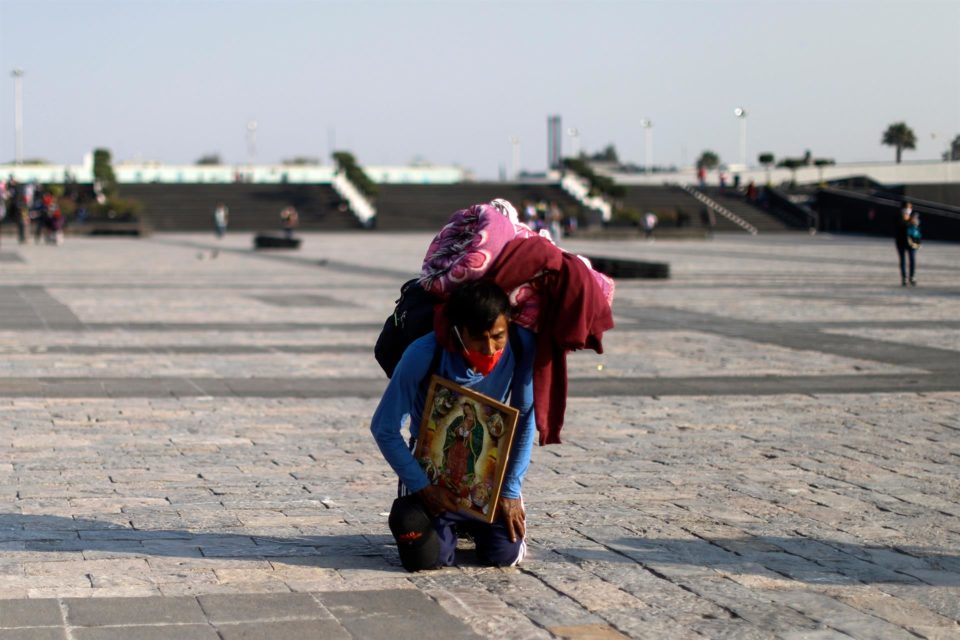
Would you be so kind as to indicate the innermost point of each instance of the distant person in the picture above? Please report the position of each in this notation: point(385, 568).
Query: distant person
point(555, 223)
point(289, 219)
point(723, 181)
point(530, 215)
point(752, 191)
point(14, 208)
point(40, 214)
point(736, 182)
point(221, 215)
point(649, 223)
point(3, 206)
point(98, 192)
point(913, 243)
point(29, 192)
point(708, 220)
point(541, 219)
point(901, 236)
point(702, 176)
point(57, 222)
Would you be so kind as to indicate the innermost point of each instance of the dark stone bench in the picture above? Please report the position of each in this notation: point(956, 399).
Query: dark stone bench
point(107, 227)
point(275, 241)
point(623, 268)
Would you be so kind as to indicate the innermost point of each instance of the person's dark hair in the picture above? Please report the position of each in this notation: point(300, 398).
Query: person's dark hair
point(475, 306)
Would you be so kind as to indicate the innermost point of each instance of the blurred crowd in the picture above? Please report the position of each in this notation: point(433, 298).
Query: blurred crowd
point(549, 217)
point(40, 210)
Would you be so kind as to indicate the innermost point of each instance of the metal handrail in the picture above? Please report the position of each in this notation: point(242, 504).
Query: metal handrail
point(722, 210)
point(801, 212)
point(921, 206)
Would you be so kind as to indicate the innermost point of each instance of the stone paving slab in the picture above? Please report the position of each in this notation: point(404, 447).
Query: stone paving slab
point(270, 616)
point(767, 448)
point(629, 354)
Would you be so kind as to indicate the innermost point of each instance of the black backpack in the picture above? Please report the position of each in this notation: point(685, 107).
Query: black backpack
point(411, 318)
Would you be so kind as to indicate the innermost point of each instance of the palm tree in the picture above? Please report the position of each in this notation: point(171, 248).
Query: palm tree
point(954, 152)
point(708, 160)
point(766, 159)
point(901, 136)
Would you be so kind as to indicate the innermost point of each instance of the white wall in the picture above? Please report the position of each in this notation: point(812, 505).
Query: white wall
point(133, 173)
point(884, 172)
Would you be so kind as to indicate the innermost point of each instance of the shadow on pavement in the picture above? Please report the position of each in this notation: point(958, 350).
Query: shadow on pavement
point(57, 534)
point(802, 559)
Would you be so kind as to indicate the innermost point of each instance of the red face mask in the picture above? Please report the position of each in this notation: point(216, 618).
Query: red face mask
point(478, 361)
point(481, 362)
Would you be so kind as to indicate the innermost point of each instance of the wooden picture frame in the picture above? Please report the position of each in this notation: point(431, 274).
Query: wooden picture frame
point(469, 461)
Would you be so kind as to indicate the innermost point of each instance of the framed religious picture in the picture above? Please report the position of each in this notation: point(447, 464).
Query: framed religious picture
point(463, 445)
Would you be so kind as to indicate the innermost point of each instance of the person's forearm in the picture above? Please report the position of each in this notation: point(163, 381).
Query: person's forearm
point(394, 409)
point(519, 458)
point(398, 456)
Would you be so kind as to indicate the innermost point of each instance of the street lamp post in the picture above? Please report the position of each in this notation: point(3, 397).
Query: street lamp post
point(647, 144)
point(741, 114)
point(18, 114)
point(515, 157)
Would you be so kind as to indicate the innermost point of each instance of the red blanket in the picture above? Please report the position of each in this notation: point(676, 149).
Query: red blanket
point(574, 314)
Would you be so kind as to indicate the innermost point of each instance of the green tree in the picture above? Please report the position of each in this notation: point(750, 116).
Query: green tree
point(901, 136)
point(954, 152)
point(301, 161)
point(209, 159)
point(820, 163)
point(112, 206)
point(103, 172)
point(793, 164)
point(355, 173)
point(599, 184)
point(766, 159)
point(609, 154)
point(708, 160)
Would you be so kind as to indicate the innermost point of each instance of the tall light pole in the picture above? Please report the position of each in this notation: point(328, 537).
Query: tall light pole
point(647, 144)
point(575, 141)
point(741, 114)
point(18, 113)
point(514, 157)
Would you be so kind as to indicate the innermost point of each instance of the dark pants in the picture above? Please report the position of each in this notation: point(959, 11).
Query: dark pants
point(493, 544)
point(15, 215)
point(40, 226)
point(905, 251)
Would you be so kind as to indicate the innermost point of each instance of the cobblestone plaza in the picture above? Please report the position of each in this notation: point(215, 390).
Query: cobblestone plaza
point(767, 448)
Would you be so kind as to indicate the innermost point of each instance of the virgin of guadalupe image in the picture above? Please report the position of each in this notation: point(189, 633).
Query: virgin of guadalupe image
point(461, 449)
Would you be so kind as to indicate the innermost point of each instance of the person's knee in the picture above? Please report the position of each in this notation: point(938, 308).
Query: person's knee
point(496, 549)
point(417, 540)
point(504, 556)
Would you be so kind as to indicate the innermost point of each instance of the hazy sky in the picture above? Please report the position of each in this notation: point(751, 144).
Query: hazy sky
point(171, 80)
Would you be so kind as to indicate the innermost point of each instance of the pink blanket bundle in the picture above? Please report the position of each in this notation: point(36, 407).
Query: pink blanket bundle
point(466, 246)
point(469, 243)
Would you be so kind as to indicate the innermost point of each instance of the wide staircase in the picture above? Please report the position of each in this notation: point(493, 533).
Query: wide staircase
point(426, 207)
point(753, 214)
point(672, 205)
point(253, 207)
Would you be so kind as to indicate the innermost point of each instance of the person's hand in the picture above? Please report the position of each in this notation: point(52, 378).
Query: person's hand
point(514, 518)
point(437, 500)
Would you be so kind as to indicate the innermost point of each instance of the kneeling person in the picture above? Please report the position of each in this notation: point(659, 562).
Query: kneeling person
point(479, 355)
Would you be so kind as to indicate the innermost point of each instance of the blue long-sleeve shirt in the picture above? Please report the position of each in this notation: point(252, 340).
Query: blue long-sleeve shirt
point(405, 397)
